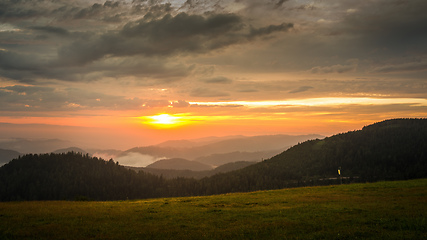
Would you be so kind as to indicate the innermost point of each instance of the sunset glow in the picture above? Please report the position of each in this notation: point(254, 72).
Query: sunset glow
point(133, 73)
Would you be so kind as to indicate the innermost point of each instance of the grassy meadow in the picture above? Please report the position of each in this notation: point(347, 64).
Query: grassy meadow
point(382, 210)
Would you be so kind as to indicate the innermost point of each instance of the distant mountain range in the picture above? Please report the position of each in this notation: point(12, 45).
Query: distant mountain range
point(218, 151)
point(213, 151)
point(240, 143)
point(389, 150)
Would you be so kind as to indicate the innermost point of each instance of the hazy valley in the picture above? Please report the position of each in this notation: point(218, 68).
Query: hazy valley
point(187, 158)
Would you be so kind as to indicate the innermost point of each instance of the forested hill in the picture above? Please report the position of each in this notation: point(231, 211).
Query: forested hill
point(389, 150)
point(73, 176)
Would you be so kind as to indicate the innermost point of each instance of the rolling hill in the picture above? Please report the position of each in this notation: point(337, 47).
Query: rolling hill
point(216, 151)
point(370, 211)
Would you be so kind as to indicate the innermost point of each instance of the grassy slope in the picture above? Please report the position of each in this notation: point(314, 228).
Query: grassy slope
point(383, 210)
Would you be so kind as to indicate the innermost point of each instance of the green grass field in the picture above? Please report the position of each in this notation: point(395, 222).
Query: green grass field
point(383, 210)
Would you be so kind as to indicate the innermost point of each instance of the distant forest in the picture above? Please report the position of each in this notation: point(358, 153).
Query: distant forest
point(389, 150)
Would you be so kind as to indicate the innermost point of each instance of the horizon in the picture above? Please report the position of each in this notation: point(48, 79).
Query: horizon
point(121, 74)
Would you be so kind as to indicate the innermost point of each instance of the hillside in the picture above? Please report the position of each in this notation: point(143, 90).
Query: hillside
point(72, 176)
point(384, 210)
point(388, 150)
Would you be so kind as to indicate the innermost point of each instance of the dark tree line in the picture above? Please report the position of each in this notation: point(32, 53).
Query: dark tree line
point(389, 150)
point(73, 176)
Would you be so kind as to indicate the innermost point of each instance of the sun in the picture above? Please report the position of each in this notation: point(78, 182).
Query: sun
point(166, 121)
point(163, 120)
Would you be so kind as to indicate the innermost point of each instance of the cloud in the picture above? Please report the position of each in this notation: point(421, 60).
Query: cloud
point(180, 104)
point(14, 61)
point(95, 9)
point(217, 80)
point(398, 26)
point(270, 29)
point(52, 30)
point(167, 44)
point(301, 89)
point(280, 3)
point(401, 68)
point(28, 68)
point(143, 47)
point(170, 35)
point(206, 92)
point(60, 10)
point(34, 98)
point(338, 68)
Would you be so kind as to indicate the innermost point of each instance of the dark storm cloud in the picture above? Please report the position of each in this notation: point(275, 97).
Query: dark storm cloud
point(180, 34)
point(11, 61)
point(29, 68)
point(23, 67)
point(398, 25)
point(123, 46)
point(15, 10)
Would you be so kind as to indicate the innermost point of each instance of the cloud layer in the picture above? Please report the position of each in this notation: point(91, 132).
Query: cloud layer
point(65, 57)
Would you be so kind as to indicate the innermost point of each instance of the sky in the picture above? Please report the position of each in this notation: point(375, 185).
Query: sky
point(120, 74)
